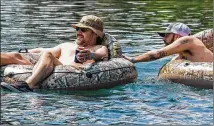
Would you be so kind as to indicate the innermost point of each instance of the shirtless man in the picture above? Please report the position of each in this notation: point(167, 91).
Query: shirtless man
point(89, 33)
point(178, 41)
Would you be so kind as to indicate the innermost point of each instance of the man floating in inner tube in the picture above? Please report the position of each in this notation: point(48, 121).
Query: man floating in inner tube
point(89, 33)
point(178, 41)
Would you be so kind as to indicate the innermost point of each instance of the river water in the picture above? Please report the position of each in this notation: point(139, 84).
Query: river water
point(46, 23)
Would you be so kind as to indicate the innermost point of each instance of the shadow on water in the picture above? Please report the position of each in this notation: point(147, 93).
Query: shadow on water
point(39, 23)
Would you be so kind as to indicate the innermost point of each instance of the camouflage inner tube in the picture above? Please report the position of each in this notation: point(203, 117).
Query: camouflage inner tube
point(104, 74)
point(197, 74)
point(206, 37)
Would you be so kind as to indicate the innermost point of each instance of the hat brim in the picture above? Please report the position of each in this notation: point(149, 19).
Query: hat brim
point(80, 25)
point(163, 33)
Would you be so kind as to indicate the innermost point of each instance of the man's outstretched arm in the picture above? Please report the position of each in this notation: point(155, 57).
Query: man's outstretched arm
point(181, 44)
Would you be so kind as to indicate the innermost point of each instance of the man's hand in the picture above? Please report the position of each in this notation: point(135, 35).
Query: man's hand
point(126, 57)
point(83, 55)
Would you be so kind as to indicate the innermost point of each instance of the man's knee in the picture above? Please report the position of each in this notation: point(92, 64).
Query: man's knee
point(47, 54)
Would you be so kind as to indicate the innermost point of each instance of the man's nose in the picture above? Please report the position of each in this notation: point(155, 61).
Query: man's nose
point(79, 32)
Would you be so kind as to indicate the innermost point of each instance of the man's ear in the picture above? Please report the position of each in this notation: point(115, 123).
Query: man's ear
point(96, 35)
point(177, 36)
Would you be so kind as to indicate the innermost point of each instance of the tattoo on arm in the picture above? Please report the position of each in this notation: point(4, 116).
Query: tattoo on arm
point(162, 54)
point(184, 41)
point(152, 57)
point(157, 55)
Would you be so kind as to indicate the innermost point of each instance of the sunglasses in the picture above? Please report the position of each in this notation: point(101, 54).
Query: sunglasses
point(81, 29)
point(167, 34)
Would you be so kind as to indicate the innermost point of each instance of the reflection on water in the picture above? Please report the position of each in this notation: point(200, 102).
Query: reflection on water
point(46, 23)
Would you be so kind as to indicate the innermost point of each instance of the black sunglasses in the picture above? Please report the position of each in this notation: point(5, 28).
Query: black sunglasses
point(167, 34)
point(81, 29)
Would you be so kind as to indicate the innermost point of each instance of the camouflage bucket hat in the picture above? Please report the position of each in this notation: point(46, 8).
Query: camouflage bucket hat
point(92, 22)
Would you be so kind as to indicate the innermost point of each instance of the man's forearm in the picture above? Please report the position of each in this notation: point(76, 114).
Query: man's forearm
point(36, 50)
point(150, 56)
point(97, 56)
point(13, 58)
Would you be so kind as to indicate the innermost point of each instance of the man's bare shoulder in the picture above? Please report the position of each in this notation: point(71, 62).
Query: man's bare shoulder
point(185, 40)
point(192, 40)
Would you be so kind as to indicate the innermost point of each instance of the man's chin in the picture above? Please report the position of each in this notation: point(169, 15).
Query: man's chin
point(80, 43)
point(166, 43)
